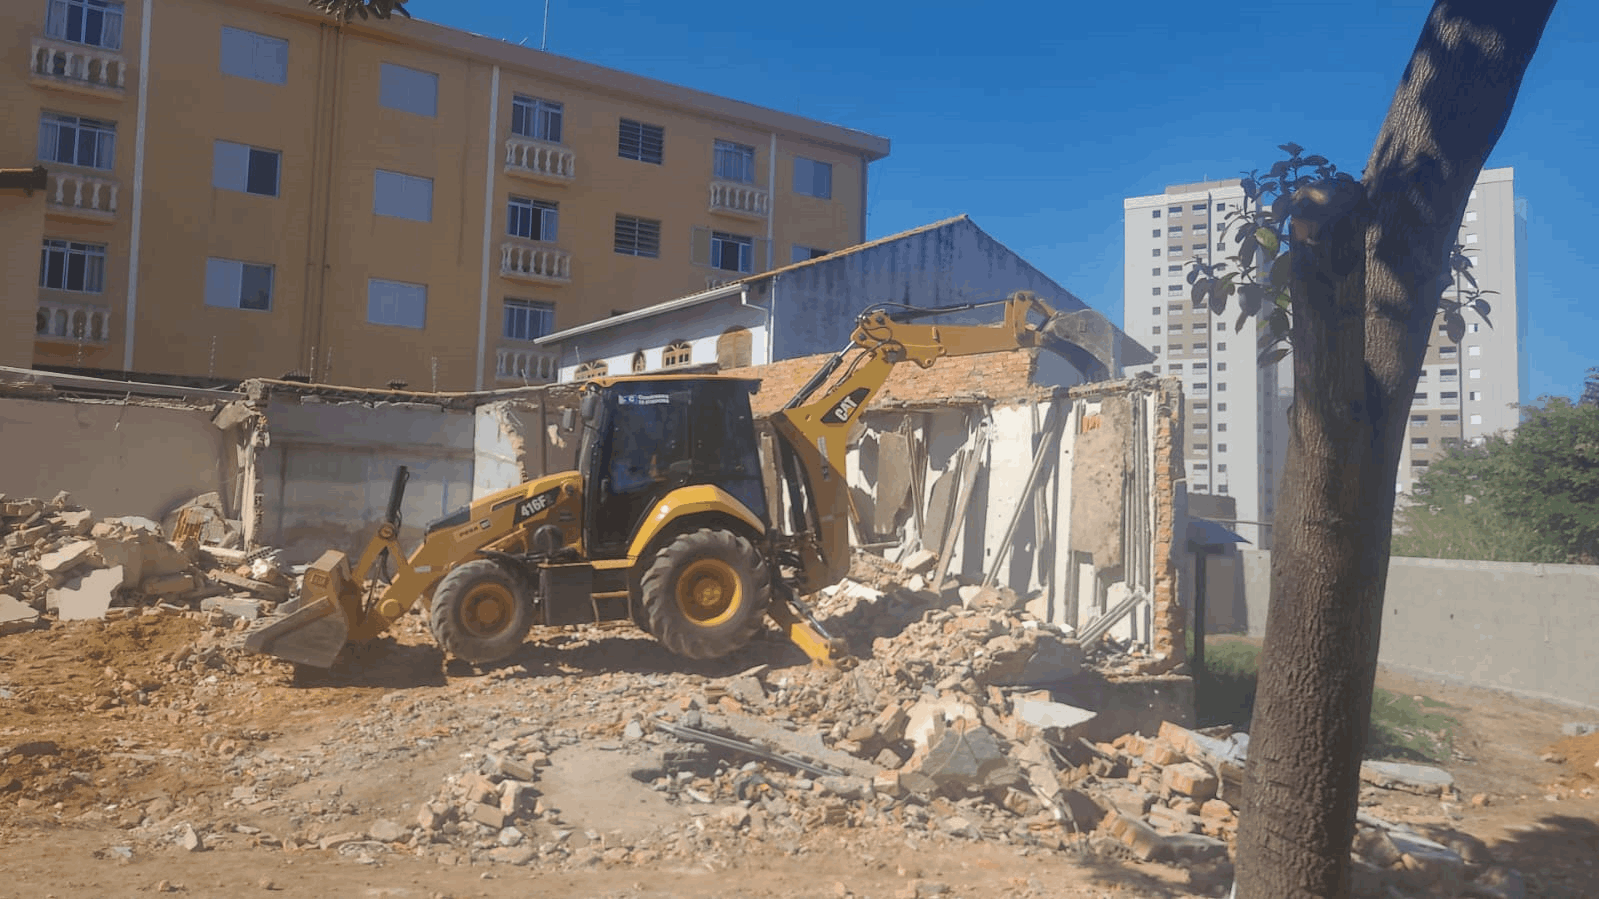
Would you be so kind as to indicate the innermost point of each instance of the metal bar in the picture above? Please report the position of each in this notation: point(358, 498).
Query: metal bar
point(704, 736)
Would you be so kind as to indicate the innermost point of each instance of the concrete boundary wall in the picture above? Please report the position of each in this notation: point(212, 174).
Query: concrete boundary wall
point(1526, 629)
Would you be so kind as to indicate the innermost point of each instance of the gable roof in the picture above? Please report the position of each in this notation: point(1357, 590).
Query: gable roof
point(733, 288)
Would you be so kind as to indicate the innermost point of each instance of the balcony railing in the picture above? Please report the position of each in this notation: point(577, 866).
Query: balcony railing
point(540, 160)
point(531, 262)
point(740, 200)
point(526, 364)
point(72, 195)
point(75, 66)
point(72, 322)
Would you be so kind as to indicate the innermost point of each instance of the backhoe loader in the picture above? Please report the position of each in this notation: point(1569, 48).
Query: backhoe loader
point(666, 520)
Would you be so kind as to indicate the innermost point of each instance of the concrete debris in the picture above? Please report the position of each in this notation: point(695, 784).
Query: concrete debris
point(16, 616)
point(56, 558)
point(1421, 779)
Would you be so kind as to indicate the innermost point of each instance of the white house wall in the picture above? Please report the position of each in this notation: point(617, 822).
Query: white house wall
point(702, 326)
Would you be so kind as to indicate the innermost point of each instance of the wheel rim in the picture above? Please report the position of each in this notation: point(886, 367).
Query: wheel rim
point(487, 610)
point(709, 592)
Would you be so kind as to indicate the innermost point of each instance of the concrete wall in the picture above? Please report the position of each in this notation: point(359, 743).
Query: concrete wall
point(1523, 628)
point(114, 458)
point(324, 479)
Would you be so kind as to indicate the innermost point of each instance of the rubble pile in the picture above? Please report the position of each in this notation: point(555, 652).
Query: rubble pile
point(59, 561)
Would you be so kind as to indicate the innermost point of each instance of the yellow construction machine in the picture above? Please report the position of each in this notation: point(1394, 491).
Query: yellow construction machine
point(666, 520)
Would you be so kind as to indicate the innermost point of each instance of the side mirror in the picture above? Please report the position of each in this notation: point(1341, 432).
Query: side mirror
point(591, 405)
point(568, 419)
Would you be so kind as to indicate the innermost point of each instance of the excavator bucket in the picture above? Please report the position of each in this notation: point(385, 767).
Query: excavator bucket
point(312, 629)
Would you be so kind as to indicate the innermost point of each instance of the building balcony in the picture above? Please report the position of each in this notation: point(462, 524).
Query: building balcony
point(528, 365)
point(539, 263)
point(539, 160)
point(84, 198)
point(740, 200)
point(65, 322)
point(90, 71)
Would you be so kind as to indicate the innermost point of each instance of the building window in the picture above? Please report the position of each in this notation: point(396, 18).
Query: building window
point(732, 252)
point(678, 352)
point(396, 303)
point(536, 118)
point(1476, 419)
point(636, 140)
point(1418, 421)
point(231, 284)
point(1198, 347)
point(639, 364)
point(1473, 327)
point(1154, 291)
point(1220, 386)
point(1473, 351)
point(638, 237)
point(1418, 443)
point(71, 140)
point(1154, 213)
point(1475, 395)
point(1222, 426)
point(1474, 193)
point(1202, 407)
point(1175, 210)
point(1221, 346)
point(1155, 252)
point(1176, 368)
point(69, 265)
point(1201, 326)
point(1155, 233)
point(409, 90)
point(527, 320)
point(1471, 238)
point(1448, 352)
point(1201, 366)
point(1221, 407)
point(1221, 207)
point(1202, 466)
point(1174, 290)
point(1449, 395)
point(734, 349)
point(1154, 310)
point(1419, 397)
point(1173, 270)
point(734, 162)
point(804, 254)
point(1201, 428)
point(1154, 329)
point(1449, 418)
point(1198, 228)
point(1221, 489)
point(1155, 271)
point(1471, 215)
point(587, 370)
point(532, 219)
point(1199, 246)
point(1474, 373)
point(1221, 366)
point(1221, 447)
point(1175, 347)
point(1174, 309)
point(1418, 463)
point(812, 178)
point(97, 23)
point(1448, 374)
point(1201, 447)
point(402, 196)
point(245, 169)
point(246, 54)
point(1175, 230)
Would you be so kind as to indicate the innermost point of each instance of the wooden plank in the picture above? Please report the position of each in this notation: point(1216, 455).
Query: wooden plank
point(974, 463)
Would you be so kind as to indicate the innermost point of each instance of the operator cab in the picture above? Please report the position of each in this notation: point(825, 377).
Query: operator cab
point(645, 437)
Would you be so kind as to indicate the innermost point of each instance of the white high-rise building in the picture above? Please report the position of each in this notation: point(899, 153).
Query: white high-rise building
point(1470, 390)
point(1235, 433)
point(1236, 430)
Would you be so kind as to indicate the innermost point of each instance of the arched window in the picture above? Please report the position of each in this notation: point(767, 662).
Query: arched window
point(587, 370)
point(638, 362)
point(733, 348)
point(676, 353)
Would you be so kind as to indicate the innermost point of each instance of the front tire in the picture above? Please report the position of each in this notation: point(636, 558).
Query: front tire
point(481, 612)
point(705, 593)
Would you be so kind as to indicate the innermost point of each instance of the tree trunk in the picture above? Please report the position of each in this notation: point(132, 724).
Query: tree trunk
point(1370, 261)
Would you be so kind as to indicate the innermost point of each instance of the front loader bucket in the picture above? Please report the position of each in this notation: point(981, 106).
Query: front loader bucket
point(312, 629)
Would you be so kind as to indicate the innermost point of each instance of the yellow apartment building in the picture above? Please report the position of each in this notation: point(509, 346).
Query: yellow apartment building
point(244, 188)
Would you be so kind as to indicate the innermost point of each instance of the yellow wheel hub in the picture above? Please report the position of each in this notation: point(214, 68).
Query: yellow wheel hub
point(708, 592)
point(488, 609)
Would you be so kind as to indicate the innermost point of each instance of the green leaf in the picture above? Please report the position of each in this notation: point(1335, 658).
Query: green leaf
point(1267, 238)
point(1282, 270)
point(1455, 326)
point(1291, 148)
point(1193, 273)
point(1283, 300)
point(1272, 357)
point(1315, 160)
point(1247, 248)
point(1201, 289)
point(1250, 297)
point(1282, 207)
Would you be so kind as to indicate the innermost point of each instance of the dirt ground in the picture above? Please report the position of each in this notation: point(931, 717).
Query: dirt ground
point(147, 756)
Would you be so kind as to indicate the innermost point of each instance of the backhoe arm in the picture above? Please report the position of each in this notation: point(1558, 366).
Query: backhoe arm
point(814, 433)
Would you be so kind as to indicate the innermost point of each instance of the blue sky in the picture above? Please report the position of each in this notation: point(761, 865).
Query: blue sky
point(1038, 118)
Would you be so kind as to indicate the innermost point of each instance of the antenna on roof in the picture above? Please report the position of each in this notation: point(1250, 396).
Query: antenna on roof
point(545, 41)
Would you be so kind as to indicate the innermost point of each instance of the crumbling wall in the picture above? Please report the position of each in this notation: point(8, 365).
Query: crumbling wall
point(130, 457)
point(325, 474)
point(521, 439)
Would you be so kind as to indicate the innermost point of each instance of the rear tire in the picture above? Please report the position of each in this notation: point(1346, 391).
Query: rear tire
point(481, 612)
point(705, 593)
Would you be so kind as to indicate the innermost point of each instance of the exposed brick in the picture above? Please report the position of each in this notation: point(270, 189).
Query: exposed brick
point(1190, 779)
